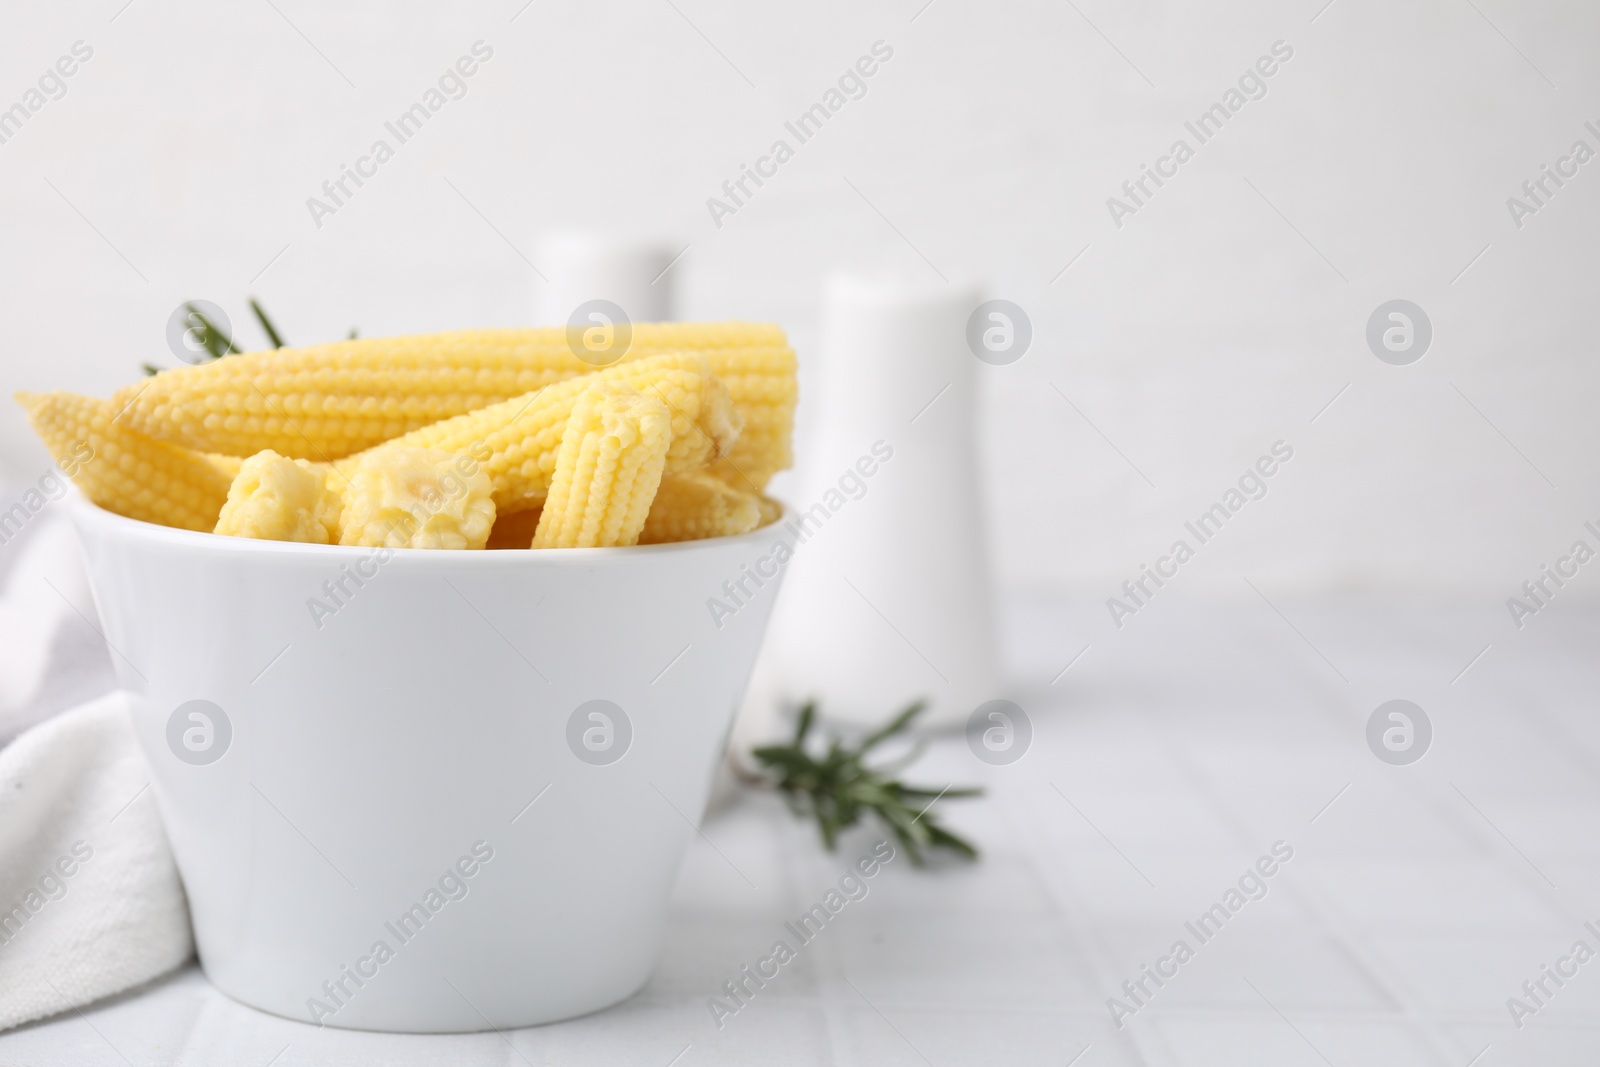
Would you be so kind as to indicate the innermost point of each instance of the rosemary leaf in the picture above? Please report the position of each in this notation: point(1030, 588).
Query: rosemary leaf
point(216, 343)
point(266, 324)
point(837, 788)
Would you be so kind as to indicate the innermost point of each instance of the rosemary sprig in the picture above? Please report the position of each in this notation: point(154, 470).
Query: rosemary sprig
point(266, 324)
point(839, 787)
point(217, 343)
point(213, 339)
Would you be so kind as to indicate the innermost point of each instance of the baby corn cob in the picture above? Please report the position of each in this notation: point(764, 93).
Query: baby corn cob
point(124, 471)
point(753, 461)
point(416, 498)
point(330, 401)
point(764, 388)
point(612, 453)
point(696, 505)
point(278, 499)
point(517, 440)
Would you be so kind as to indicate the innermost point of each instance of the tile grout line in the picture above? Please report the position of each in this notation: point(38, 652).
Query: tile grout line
point(1399, 992)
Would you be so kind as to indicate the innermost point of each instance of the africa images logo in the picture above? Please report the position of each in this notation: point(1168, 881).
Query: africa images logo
point(199, 732)
point(599, 732)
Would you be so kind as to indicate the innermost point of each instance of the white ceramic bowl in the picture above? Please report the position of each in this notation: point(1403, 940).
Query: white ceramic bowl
point(327, 772)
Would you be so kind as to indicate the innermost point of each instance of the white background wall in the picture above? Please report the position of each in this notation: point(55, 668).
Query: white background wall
point(1195, 336)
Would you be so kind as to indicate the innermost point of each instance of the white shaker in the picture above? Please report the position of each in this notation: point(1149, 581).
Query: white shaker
point(585, 266)
point(888, 597)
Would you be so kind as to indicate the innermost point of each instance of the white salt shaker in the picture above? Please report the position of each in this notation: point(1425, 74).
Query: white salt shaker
point(582, 267)
point(888, 597)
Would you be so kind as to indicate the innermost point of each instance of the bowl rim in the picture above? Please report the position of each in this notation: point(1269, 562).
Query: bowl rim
point(108, 523)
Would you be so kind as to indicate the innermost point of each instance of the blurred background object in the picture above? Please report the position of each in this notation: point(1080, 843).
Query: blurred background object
point(888, 597)
point(584, 265)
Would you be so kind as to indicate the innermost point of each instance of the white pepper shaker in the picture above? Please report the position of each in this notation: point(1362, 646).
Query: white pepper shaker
point(889, 597)
point(587, 266)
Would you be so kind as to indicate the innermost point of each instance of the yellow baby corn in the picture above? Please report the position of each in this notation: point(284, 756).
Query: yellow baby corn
point(612, 453)
point(753, 460)
point(517, 440)
point(229, 465)
point(686, 336)
point(416, 498)
point(764, 388)
point(124, 471)
point(279, 499)
point(691, 506)
point(329, 401)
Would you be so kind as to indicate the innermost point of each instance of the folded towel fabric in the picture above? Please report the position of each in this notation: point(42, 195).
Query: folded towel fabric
point(90, 901)
point(52, 656)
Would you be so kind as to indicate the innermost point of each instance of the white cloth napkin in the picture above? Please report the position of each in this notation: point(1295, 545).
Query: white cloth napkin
point(52, 656)
point(90, 901)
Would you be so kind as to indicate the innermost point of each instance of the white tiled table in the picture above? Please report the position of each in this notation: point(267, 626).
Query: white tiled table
point(1164, 762)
